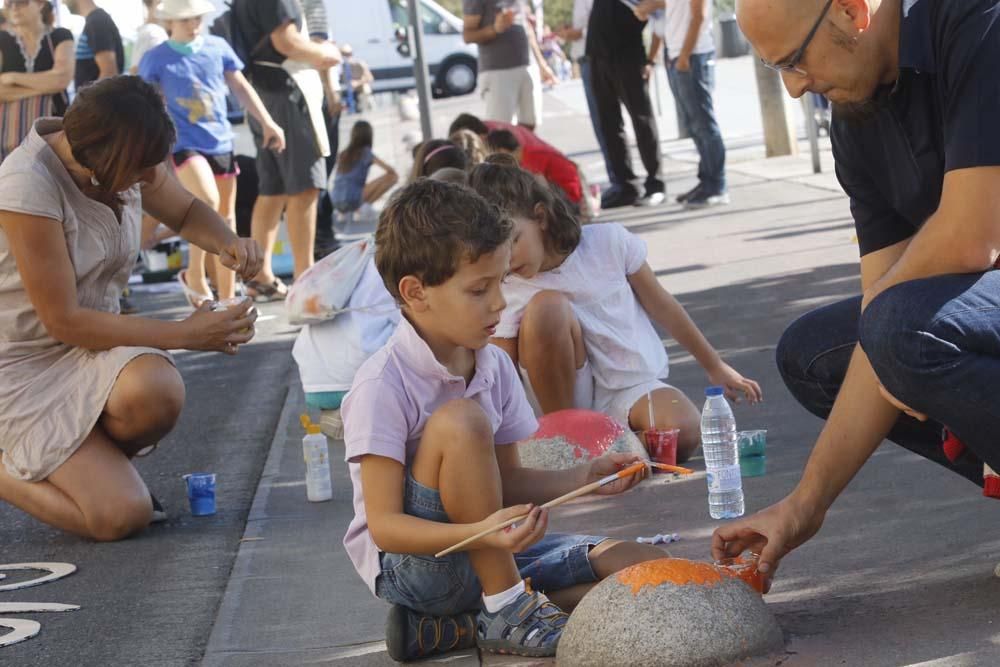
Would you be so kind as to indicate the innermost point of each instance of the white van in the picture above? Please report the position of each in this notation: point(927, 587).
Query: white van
point(374, 29)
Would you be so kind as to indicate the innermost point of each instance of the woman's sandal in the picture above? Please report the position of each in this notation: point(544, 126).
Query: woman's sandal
point(529, 626)
point(262, 292)
point(193, 298)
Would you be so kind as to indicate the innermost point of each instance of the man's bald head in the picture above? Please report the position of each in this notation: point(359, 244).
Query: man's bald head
point(847, 57)
point(777, 22)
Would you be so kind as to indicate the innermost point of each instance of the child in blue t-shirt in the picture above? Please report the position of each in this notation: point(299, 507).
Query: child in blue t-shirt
point(193, 71)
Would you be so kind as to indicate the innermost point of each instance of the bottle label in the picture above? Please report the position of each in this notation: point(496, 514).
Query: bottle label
point(724, 479)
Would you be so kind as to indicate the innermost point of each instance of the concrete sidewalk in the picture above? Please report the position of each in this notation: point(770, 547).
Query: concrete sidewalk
point(902, 574)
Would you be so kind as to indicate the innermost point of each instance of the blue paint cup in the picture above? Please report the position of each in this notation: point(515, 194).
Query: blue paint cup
point(201, 493)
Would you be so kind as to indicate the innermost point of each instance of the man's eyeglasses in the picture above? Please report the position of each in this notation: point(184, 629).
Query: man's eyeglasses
point(792, 64)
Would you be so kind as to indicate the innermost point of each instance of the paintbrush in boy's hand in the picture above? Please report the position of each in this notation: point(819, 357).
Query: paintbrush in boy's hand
point(582, 491)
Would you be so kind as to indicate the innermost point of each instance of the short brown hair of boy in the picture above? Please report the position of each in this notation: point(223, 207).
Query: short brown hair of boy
point(518, 192)
point(429, 227)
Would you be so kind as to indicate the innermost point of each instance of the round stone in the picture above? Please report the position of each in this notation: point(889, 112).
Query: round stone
point(669, 613)
point(569, 437)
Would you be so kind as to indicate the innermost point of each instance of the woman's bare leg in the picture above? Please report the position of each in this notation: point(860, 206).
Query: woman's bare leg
point(197, 177)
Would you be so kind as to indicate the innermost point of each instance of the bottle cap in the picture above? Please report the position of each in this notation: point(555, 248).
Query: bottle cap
point(309, 426)
point(714, 391)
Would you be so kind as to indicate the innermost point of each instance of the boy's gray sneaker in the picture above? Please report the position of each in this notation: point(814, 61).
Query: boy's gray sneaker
point(410, 635)
point(529, 626)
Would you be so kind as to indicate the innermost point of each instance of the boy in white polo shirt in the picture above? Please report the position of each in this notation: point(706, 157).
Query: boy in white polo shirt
point(429, 426)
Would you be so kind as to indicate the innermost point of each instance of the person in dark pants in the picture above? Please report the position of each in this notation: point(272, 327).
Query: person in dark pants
point(617, 65)
point(685, 30)
point(916, 97)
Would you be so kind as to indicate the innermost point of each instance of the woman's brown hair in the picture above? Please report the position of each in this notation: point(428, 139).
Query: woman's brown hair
point(362, 137)
point(518, 193)
point(117, 128)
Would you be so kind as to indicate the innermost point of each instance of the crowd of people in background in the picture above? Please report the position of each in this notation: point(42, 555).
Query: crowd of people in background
point(274, 58)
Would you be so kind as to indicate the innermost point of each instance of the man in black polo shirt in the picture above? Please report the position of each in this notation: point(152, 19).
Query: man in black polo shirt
point(617, 59)
point(917, 147)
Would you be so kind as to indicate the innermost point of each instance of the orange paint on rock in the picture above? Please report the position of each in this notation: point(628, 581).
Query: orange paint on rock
point(676, 571)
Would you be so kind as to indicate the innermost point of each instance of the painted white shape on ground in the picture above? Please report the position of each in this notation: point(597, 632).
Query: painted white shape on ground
point(21, 630)
point(56, 571)
point(35, 607)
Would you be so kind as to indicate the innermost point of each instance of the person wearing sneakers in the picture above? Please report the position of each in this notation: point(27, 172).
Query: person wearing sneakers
point(684, 29)
point(429, 426)
point(916, 97)
point(194, 71)
point(617, 57)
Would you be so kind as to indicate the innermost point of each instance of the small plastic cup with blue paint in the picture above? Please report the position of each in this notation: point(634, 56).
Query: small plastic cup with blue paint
point(201, 493)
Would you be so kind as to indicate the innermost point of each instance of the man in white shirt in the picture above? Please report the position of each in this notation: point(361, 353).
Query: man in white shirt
point(685, 29)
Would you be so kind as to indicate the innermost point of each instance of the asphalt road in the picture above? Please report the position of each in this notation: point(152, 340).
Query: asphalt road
point(152, 599)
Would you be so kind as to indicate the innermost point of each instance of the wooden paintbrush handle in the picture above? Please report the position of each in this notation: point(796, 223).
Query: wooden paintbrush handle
point(582, 491)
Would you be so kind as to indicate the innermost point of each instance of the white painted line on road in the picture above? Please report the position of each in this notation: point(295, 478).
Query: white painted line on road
point(22, 629)
point(35, 607)
point(56, 571)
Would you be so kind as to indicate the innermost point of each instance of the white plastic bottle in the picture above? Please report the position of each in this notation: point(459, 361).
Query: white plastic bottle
point(722, 456)
point(319, 486)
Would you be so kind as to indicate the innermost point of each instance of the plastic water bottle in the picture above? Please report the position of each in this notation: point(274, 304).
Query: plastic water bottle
point(722, 456)
point(319, 486)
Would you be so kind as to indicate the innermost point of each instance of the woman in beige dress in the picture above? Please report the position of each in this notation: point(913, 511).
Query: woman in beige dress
point(83, 389)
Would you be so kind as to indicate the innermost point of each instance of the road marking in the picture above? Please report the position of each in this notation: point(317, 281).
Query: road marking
point(24, 629)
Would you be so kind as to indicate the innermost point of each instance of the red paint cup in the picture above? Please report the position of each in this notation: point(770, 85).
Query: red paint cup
point(662, 445)
point(745, 568)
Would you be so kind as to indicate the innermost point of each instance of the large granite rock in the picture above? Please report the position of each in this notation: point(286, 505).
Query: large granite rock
point(570, 437)
point(669, 613)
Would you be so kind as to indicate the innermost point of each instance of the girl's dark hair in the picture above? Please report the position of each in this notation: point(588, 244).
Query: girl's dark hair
point(518, 193)
point(502, 140)
point(48, 15)
point(117, 128)
point(362, 137)
point(434, 155)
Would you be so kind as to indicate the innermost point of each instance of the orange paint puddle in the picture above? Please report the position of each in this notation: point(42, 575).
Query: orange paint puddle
point(676, 571)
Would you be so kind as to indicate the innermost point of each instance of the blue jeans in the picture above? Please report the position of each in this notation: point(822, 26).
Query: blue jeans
point(447, 586)
point(693, 92)
point(933, 343)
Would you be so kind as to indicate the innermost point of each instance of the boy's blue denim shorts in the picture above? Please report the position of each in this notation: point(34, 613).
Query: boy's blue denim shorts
point(446, 586)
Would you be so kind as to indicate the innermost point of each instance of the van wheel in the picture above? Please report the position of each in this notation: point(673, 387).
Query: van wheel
point(457, 76)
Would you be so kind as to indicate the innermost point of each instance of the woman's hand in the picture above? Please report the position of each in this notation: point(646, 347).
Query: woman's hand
point(219, 331)
point(609, 464)
point(243, 256)
point(9, 79)
point(726, 377)
point(518, 537)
